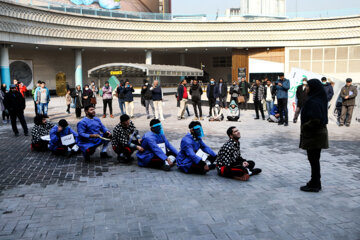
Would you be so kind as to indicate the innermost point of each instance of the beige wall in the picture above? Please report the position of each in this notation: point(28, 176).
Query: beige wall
point(338, 61)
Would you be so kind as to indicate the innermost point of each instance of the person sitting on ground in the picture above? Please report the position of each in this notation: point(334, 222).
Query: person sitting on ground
point(126, 139)
point(274, 114)
point(229, 161)
point(92, 133)
point(63, 139)
point(218, 114)
point(195, 156)
point(158, 152)
point(40, 133)
point(233, 112)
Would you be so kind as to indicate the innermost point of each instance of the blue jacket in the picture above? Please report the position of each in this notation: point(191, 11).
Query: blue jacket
point(55, 137)
point(329, 91)
point(282, 91)
point(128, 94)
point(150, 143)
point(187, 155)
point(157, 94)
point(216, 91)
point(90, 126)
point(37, 95)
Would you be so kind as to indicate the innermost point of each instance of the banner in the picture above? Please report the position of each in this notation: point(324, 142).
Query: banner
point(295, 78)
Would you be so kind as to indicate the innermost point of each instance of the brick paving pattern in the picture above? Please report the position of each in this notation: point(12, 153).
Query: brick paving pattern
point(49, 197)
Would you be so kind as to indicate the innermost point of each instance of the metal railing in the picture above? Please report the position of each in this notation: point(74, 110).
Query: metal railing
point(80, 9)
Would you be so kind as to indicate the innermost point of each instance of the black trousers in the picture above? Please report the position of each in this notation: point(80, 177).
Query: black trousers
point(6, 115)
point(222, 101)
point(41, 146)
point(78, 112)
point(258, 105)
point(107, 102)
point(212, 102)
point(244, 104)
point(314, 160)
point(197, 105)
point(35, 108)
point(282, 104)
point(233, 119)
point(20, 116)
point(126, 150)
point(68, 108)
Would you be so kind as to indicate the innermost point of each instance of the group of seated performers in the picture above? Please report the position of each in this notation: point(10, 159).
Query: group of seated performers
point(153, 149)
point(60, 138)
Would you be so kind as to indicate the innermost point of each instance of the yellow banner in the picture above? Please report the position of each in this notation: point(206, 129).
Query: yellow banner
point(116, 73)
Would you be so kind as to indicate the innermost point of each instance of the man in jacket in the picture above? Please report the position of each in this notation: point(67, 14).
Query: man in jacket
point(182, 97)
point(147, 98)
point(35, 88)
point(158, 151)
point(157, 99)
point(301, 97)
point(42, 96)
point(229, 161)
point(126, 139)
point(212, 93)
point(15, 104)
point(348, 94)
point(57, 145)
point(258, 95)
point(120, 93)
point(195, 156)
point(222, 89)
point(234, 92)
point(129, 99)
point(328, 89)
point(244, 91)
point(270, 93)
point(196, 92)
point(282, 88)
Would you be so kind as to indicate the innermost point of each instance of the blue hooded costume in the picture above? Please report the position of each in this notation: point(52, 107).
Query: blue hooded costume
point(187, 155)
point(55, 137)
point(85, 128)
point(150, 143)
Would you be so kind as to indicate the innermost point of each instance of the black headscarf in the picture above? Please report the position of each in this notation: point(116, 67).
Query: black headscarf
point(316, 105)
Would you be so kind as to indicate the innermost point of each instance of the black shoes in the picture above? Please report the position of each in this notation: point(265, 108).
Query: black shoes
point(295, 120)
point(16, 134)
point(348, 125)
point(286, 124)
point(26, 134)
point(311, 187)
point(104, 155)
point(124, 160)
point(255, 171)
point(280, 123)
point(165, 167)
point(256, 118)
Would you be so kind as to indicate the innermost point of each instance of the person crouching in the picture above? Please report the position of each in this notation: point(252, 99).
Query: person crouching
point(229, 161)
point(126, 139)
point(63, 139)
point(157, 150)
point(40, 133)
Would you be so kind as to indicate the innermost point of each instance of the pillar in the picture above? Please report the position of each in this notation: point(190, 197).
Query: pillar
point(78, 68)
point(4, 66)
point(182, 59)
point(148, 59)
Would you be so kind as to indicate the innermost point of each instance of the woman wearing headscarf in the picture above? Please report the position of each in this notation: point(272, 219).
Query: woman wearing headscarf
point(314, 134)
point(87, 95)
point(78, 101)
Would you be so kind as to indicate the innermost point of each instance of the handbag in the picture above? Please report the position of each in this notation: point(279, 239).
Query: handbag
point(241, 99)
point(93, 101)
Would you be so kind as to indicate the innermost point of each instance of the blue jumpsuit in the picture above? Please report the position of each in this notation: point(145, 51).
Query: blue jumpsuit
point(150, 143)
point(187, 155)
point(55, 137)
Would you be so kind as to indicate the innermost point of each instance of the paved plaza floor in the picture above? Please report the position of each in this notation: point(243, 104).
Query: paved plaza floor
point(48, 197)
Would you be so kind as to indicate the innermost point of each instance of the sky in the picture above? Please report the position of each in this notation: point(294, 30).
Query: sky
point(210, 7)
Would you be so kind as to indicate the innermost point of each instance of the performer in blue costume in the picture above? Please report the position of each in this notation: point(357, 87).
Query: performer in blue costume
point(56, 133)
point(91, 134)
point(158, 152)
point(190, 159)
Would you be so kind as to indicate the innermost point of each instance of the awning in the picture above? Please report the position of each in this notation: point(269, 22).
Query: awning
point(140, 70)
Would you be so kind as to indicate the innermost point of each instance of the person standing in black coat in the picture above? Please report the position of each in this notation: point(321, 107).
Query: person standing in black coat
point(196, 92)
point(328, 89)
point(314, 134)
point(77, 96)
point(147, 98)
point(222, 86)
point(15, 104)
point(244, 91)
point(212, 93)
point(87, 95)
point(301, 97)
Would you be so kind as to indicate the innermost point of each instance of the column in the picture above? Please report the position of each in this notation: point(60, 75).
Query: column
point(4, 66)
point(182, 63)
point(78, 68)
point(148, 59)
